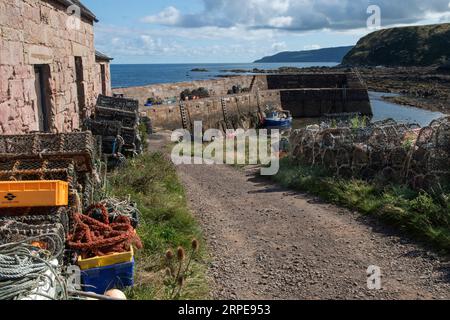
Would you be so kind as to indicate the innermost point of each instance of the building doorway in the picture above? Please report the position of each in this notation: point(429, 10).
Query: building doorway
point(103, 75)
point(79, 78)
point(41, 83)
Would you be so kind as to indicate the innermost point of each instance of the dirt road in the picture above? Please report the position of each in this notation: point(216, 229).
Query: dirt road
point(271, 243)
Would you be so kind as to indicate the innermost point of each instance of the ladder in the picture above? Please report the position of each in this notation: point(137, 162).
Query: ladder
point(253, 83)
point(225, 111)
point(184, 115)
point(358, 75)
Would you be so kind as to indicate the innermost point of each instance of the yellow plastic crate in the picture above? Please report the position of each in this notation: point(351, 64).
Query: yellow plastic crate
point(24, 194)
point(98, 262)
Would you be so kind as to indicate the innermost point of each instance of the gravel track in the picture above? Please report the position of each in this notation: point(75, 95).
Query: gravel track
point(267, 242)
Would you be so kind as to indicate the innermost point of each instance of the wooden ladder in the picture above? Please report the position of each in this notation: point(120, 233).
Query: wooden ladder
point(184, 115)
point(253, 83)
point(360, 78)
point(225, 112)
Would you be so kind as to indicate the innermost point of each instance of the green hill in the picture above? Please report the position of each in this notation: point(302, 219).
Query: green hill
point(405, 46)
point(320, 55)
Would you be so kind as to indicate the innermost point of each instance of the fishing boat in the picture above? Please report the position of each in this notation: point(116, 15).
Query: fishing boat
point(281, 119)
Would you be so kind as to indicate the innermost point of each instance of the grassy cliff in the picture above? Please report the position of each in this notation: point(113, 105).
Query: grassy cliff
point(406, 46)
point(319, 55)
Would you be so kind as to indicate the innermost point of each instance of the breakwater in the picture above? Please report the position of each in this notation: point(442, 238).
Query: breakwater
point(305, 95)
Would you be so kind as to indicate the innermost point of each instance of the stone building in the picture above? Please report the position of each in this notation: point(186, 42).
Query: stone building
point(50, 74)
point(103, 73)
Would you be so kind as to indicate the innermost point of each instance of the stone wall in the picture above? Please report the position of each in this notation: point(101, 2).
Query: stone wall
point(98, 77)
point(242, 109)
point(35, 32)
point(311, 103)
point(305, 95)
point(217, 87)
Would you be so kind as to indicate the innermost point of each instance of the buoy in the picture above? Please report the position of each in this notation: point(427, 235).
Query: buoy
point(115, 293)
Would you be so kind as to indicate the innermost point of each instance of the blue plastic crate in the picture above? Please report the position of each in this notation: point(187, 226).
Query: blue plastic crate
point(100, 280)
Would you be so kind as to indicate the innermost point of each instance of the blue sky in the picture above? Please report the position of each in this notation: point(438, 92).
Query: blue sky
point(219, 31)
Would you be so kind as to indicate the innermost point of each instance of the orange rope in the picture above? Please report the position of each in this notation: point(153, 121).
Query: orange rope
point(93, 238)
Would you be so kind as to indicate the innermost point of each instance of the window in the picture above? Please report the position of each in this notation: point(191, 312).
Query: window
point(79, 78)
point(103, 78)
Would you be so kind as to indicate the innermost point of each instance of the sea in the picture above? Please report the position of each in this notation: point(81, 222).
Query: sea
point(132, 75)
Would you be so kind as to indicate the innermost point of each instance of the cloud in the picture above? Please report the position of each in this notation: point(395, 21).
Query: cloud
point(297, 15)
point(279, 46)
point(169, 16)
point(135, 44)
point(281, 22)
point(312, 47)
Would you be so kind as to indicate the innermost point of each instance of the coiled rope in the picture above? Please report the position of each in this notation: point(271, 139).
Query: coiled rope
point(23, 268)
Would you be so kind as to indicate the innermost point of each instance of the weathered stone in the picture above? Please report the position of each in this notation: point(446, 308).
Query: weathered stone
point(12, 34)
point(36, 54)
point(23, 71)
point(29, 90)
point(16, 89)
point(35, 32)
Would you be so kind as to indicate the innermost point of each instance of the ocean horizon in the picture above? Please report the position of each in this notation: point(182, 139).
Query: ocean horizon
point(133, 75)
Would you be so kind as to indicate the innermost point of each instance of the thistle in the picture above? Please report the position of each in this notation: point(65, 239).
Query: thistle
point(181, 254)
point(181, 281)
point(169, 255)
point(195, 245)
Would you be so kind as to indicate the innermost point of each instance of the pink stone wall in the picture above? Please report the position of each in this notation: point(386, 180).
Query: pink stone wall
point(98, 76)
point(34, 32)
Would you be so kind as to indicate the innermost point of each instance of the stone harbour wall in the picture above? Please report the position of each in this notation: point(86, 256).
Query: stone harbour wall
point(242, 109)
point(35, 32)
point(305, 95)
point(216, 87)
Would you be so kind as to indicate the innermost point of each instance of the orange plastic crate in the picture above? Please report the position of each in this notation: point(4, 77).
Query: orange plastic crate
point(25, 194)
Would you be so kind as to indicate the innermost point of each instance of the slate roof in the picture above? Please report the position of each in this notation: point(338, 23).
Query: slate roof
point(84, 10)
point(102, 56)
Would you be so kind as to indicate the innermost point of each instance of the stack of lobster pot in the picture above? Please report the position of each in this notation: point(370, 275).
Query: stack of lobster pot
point(67, 157)
point(116, 124)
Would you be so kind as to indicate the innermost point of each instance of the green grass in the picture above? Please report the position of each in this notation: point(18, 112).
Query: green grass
point(423, 216)
point(166, 223)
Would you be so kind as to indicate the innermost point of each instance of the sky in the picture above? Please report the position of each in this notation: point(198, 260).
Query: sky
point(241, 31)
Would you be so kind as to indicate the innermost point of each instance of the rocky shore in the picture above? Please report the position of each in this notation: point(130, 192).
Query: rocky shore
point(422, 87)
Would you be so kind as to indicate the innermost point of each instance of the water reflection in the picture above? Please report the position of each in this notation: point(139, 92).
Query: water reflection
point(384, 110)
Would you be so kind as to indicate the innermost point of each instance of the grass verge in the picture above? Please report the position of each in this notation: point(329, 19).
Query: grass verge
point(424, 216)
point(166, 223)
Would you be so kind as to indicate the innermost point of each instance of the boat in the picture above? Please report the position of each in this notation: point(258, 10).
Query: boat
point(280, 119)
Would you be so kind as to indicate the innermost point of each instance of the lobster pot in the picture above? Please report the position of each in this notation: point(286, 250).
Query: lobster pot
point(39, 169)
point(385, 150)
point(104, 128)
point(118, 103)
point(127, 118)
point(49, 229)
point(44, 144)
point(36, 216)
point(129, 135)
point(110, 145)
point(116, 276)
point(114, 118)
